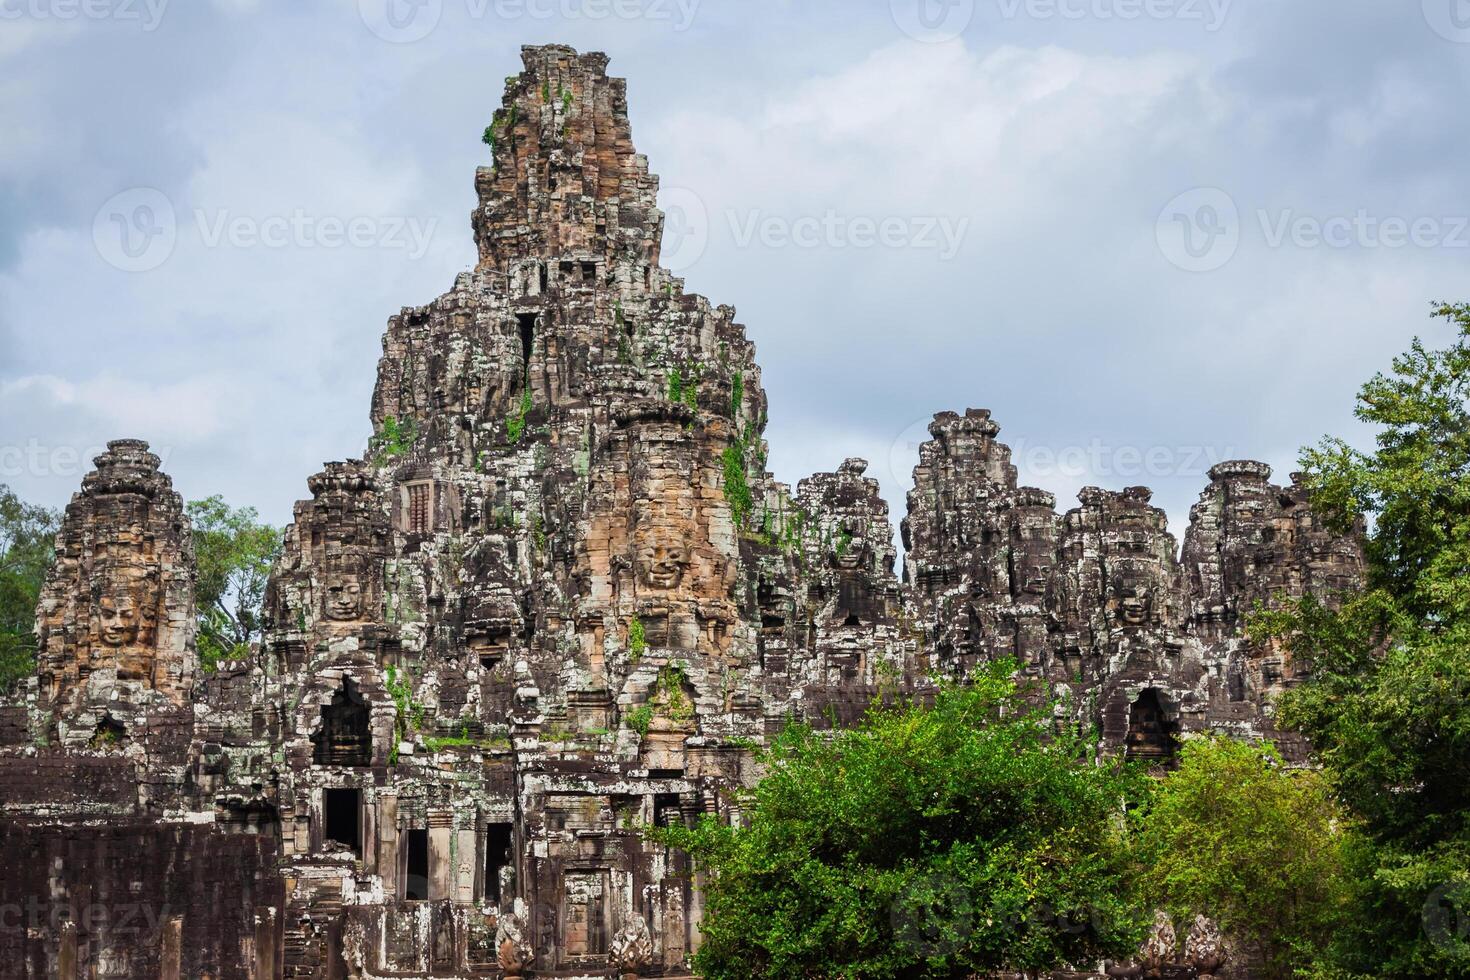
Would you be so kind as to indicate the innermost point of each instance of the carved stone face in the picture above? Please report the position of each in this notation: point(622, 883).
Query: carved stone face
point(1036, 575)
point(117, 620)
point(661, 564)
point(1134, 607)
point(344, 598)
point(850, 551)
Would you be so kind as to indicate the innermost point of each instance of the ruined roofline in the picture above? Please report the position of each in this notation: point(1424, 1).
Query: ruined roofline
point(954, 429)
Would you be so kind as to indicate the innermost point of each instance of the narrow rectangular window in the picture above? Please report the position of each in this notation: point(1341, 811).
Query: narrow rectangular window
point(342, 809)
point(416, 865)
point(498, 844)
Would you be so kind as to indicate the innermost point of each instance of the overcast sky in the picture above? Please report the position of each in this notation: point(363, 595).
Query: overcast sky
point(1148, 234)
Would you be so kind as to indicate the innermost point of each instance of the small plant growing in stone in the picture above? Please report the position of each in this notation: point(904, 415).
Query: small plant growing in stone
point(637, 640)
point(409, 715)
point(737, 486)
point(392, 439)
point(671, 681)
point(538, 534)
point(515, 426)
point(640, 719)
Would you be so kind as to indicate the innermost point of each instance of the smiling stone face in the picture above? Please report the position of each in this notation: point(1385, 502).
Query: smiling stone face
point(661, 563)
point(1135, 607)
point(117, 620)
point(344, 597)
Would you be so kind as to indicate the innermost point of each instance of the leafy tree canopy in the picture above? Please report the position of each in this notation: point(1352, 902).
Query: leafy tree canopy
point(234, 551)
point(1388, 707)
point(926, 842)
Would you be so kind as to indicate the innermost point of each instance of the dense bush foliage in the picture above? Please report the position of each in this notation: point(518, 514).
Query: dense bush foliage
point(1234, 835)
point(925, 842)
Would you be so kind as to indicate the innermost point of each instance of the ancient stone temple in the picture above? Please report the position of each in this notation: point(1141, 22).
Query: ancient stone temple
point(557, 600)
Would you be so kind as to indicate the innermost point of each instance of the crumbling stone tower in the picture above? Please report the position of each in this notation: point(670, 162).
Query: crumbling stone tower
point(116, 622)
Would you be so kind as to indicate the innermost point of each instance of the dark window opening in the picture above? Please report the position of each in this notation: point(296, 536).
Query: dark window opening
point(589, 271)
point(344, 739)
point(1151, 736)
point(1236, 685)
point(527, 323)
point(416, 866)
point(342, 809)
point(110, 733)
point(542, 268)
point(852, 620)
point(498, 851)
point(666, 809)
point(420, 508)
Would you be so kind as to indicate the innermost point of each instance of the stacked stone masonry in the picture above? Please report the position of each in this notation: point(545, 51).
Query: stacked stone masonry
point(559, 599)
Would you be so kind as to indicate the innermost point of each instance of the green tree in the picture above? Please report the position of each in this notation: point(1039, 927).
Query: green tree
point(926, 842)
point(234, 551)
point(1388, 705)
point(27, 539)
point(1235, 835)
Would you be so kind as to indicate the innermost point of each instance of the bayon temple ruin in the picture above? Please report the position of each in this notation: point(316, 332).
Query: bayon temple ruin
point(558, 600)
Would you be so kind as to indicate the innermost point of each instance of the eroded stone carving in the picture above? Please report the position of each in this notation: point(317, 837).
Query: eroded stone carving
point(632, 948)
point(115, 623)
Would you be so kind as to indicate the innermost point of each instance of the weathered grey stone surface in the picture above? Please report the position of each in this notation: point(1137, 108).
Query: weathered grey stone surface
point(559, 598)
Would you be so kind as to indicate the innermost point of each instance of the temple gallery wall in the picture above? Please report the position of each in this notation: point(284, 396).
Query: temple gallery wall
point(560, 597)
